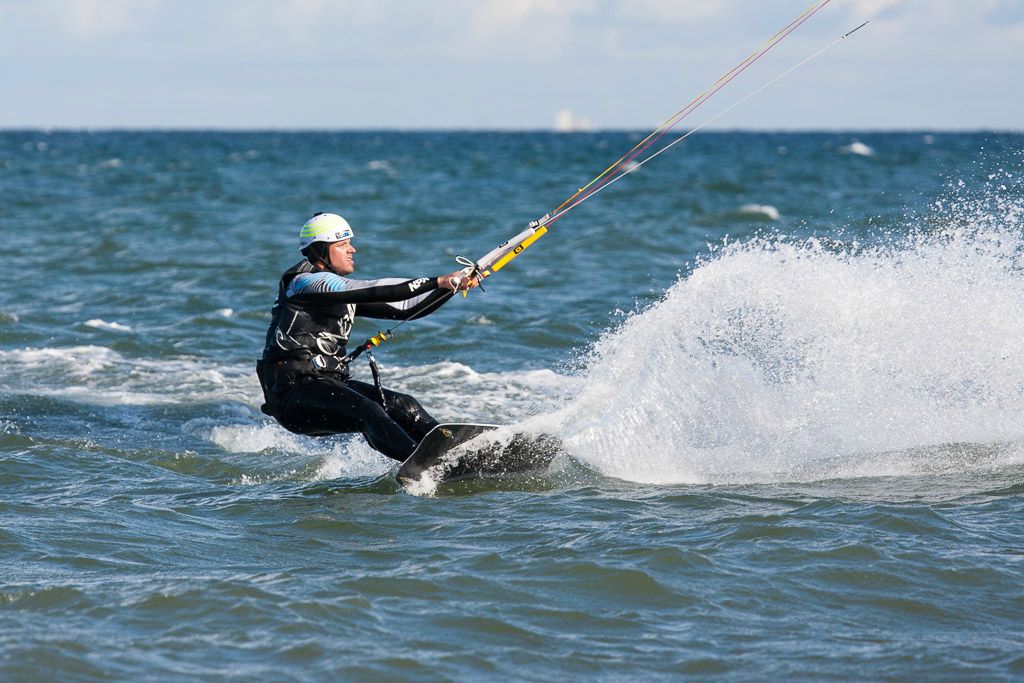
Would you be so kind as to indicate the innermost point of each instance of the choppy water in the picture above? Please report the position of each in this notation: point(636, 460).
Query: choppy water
point(789, 370)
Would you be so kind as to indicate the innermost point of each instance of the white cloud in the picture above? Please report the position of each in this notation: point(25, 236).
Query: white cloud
point(91, 19)
point(310, 20)
point(494, 26)
point(494, 15)
point(678, 12)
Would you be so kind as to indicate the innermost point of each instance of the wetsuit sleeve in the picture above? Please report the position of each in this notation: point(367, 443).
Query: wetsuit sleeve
point(410, 309)
point(328, 289)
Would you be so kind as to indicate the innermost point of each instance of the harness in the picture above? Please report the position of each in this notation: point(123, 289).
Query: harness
point(303, 340)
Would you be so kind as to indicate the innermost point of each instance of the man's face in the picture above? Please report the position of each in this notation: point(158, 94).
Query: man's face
point(340, 254)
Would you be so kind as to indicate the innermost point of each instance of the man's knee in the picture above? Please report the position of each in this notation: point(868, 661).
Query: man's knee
point(408, 405)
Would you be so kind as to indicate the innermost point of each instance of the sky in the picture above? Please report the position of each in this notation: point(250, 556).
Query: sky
point(505, 64)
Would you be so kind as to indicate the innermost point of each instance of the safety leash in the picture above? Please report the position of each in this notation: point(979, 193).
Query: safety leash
point(364, 348)
point(375, 371)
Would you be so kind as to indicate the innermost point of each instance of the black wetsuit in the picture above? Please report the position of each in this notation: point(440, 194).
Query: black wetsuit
point(305, 383)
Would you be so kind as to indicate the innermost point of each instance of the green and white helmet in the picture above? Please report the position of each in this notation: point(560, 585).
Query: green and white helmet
point(324, 227)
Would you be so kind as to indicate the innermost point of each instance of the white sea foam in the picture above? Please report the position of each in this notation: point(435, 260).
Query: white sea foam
point(382, 166)
point(425, 486)
point(456, 393)
point(104, 325)
point(430, 479)
point(858, 148)
point(352, 457)
point(102, 376)
point(81, 360)
point(766, 210)
point(779, 360)
point(243, 156)
point(254, 438)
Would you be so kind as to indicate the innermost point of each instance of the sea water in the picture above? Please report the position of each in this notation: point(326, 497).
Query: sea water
point(788, 370)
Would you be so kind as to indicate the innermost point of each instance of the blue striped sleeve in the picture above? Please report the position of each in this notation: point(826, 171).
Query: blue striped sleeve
point(316, 283)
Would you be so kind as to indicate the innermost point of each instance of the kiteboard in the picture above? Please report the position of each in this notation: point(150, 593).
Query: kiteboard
point(445, 454)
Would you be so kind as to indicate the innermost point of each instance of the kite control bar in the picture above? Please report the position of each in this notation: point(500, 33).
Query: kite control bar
point(498, 258)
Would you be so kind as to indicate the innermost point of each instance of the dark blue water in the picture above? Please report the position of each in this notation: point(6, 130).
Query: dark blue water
point(788, 370)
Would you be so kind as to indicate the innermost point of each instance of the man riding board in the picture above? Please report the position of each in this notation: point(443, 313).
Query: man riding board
point(303, 370)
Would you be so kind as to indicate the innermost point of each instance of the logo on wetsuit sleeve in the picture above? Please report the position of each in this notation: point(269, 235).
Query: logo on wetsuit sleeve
point(416, 284)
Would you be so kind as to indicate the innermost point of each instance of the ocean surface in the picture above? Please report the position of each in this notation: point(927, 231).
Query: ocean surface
point(788, 370)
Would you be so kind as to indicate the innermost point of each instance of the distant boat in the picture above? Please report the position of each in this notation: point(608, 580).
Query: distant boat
point(568, 122)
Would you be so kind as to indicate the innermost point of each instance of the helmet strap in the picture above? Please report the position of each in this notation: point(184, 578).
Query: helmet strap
point(318, 256)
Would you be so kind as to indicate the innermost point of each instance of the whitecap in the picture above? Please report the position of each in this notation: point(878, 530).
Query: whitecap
point(104, 397)
point(80, 359)
point(857, 148)
point(353, 458)
point(766, 210)
point(104, 325)
point(100, 375)
point(250, 438)
point(383, 166)
point(244, 156)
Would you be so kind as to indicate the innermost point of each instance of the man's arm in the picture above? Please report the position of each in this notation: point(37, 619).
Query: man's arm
point(329, 289)
point(409, 309)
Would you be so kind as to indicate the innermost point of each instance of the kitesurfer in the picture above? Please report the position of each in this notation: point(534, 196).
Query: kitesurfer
point(303, 371)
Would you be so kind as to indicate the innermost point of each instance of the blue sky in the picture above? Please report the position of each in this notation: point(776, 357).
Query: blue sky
point(923, 64)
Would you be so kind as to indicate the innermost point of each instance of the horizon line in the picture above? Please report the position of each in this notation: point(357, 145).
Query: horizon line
point(497, 129)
